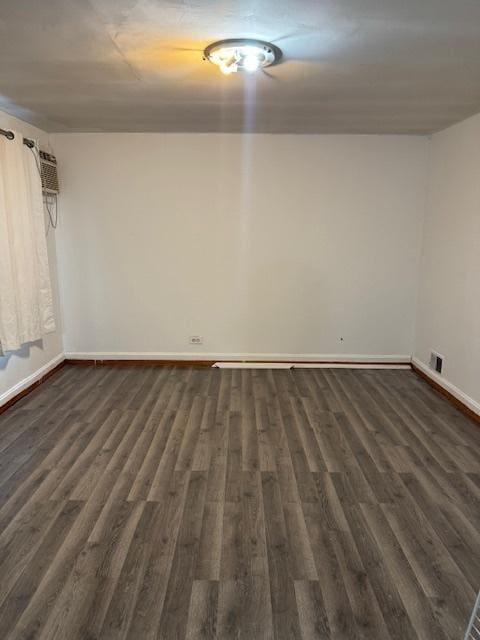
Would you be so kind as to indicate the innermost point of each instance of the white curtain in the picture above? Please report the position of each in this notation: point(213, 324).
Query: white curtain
point(26, 309)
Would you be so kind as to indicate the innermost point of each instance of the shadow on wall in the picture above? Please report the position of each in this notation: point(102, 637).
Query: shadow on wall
point(23, 352)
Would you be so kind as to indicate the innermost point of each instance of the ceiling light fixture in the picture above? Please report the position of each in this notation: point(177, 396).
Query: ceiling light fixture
point(242, 54)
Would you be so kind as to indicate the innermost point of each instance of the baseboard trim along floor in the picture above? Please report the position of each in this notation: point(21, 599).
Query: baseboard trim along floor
point(464, 403)
point(213, 357)
point(28, 384)
point(458, 398)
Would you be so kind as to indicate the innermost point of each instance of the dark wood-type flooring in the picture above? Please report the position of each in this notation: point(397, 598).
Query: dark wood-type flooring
point(144, 502)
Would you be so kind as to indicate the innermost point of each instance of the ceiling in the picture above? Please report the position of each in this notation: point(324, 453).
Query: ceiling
point(349, 66)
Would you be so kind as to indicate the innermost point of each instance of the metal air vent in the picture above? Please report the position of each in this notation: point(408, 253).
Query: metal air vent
point(48, 166)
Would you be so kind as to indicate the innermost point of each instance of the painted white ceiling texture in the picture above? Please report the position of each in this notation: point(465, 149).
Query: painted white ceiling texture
point(349, 66)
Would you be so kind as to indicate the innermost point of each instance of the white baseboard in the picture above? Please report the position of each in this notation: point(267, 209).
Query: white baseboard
point(29, 380)
point(239, 357)
point(352, 365)
point(235, 364)
point(448, 386)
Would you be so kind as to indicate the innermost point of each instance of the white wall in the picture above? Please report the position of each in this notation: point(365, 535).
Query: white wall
point(18, 367)
point(261, 244)
point(449, 297)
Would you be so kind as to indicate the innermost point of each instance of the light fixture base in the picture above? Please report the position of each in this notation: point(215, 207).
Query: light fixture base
point(242, 54)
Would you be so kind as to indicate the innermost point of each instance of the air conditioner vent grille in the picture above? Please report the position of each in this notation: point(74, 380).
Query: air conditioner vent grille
point(48, 165)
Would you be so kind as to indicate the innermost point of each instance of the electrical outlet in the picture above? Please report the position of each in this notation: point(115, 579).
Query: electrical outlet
point(196, 340)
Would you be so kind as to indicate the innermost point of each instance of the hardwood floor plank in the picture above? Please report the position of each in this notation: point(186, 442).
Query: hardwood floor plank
point(340, 616)
point(367, 614)
point(168, 459)
point(205, 444)
point(174, 616)
point(210, 547)
point(254, 545)
point(234, 458)
point(381, 579)
point(232, 561)
point(202, 611)
point(303, 476)
point(311, 610)
point(108, 572)
point(119, 615)
point(313, 453)
point(190, 437)
point(284, 607)
point(250, 454)
point(162, 541)
point(266, 450)
point(301, 560)
point(244, 609)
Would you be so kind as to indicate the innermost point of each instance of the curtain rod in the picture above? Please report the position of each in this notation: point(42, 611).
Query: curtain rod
point(10, 136)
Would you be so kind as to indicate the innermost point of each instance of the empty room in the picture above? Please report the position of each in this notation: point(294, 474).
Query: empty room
point(239, 320)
